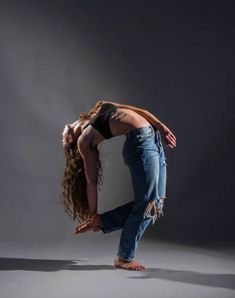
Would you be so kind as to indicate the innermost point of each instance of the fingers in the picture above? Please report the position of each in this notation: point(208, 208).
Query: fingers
point(170, 145)
point(87, 225)
point(171, 141)
point(79, 228)
point(172, 137)
point(169, 133)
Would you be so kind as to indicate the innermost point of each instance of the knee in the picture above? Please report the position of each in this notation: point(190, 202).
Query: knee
point(154, 209)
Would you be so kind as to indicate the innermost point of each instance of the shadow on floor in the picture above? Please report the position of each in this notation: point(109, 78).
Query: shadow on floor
point(225, 280)
point(47, 265)
point(185, 276)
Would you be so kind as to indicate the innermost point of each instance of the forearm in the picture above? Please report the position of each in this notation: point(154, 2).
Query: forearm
point(92, 197)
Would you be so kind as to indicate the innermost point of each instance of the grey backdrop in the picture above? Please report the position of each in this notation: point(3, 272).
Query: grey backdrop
point(174, 58)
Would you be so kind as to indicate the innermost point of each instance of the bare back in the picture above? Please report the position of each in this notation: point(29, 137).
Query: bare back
point(121, 121)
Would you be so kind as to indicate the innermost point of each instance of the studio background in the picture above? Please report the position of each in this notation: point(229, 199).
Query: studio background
point(173, 58)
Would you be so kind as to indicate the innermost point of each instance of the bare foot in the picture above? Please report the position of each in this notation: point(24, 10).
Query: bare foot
point(132, 265)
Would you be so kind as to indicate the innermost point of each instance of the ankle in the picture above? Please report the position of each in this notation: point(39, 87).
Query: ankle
point(122, 260)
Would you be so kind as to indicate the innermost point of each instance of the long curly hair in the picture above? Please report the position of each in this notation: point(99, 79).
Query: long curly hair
point(74, 182)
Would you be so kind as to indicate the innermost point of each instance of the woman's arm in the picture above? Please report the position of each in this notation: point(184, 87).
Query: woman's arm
point(144, 113)
point(168, 135)
point(89, 156)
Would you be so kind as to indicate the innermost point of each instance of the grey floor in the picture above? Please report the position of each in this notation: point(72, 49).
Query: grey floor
point(83, 267)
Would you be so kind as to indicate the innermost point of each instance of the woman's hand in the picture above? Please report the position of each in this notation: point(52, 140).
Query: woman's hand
point(84, 227)
point(88, 225)
point(168, 136)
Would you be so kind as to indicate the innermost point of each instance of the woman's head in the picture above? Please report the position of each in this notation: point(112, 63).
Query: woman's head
point(71, 133)
point(74, 179)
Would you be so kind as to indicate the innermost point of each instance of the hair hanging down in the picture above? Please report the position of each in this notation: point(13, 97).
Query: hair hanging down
point(74, 180)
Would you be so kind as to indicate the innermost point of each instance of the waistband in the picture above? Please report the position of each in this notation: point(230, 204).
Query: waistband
point(139, 131)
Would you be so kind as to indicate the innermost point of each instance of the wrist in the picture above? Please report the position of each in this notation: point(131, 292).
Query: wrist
point(91, 214)
point(159, 125)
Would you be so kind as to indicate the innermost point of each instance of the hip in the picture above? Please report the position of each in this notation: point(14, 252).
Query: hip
point(143, 144)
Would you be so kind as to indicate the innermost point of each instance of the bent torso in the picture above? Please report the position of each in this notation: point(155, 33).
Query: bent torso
point(121, 121)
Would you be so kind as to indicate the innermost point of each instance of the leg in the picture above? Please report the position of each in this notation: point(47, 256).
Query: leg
point(114, 219)
point(141, 154)
point(145, 180)
point(157, 205)
point(161, 182)
point(133, 230)
point(109, 221)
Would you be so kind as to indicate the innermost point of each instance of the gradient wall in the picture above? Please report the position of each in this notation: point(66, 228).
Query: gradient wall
point(174, 58)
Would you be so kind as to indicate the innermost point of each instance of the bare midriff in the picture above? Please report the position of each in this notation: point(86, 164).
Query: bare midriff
point(121, 121)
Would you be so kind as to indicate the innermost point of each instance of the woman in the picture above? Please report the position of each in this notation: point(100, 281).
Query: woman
point(144, 155)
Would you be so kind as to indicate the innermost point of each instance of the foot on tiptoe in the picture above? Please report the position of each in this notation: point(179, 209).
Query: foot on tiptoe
point(93, 223)
point(132, 265)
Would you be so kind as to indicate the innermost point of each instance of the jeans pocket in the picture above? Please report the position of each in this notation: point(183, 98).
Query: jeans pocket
point(143, 137)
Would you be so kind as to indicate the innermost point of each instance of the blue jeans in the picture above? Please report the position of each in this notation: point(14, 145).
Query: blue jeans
point(143, 153)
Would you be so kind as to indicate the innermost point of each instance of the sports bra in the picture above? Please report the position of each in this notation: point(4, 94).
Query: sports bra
point(101, 120)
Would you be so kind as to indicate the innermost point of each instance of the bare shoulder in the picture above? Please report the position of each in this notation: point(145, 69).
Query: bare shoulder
point(84, 140)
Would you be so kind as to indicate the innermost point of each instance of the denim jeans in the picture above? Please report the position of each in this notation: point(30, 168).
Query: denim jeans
point(144, 155)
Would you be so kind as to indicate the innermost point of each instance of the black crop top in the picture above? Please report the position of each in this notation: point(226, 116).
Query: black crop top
point(101, 120)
